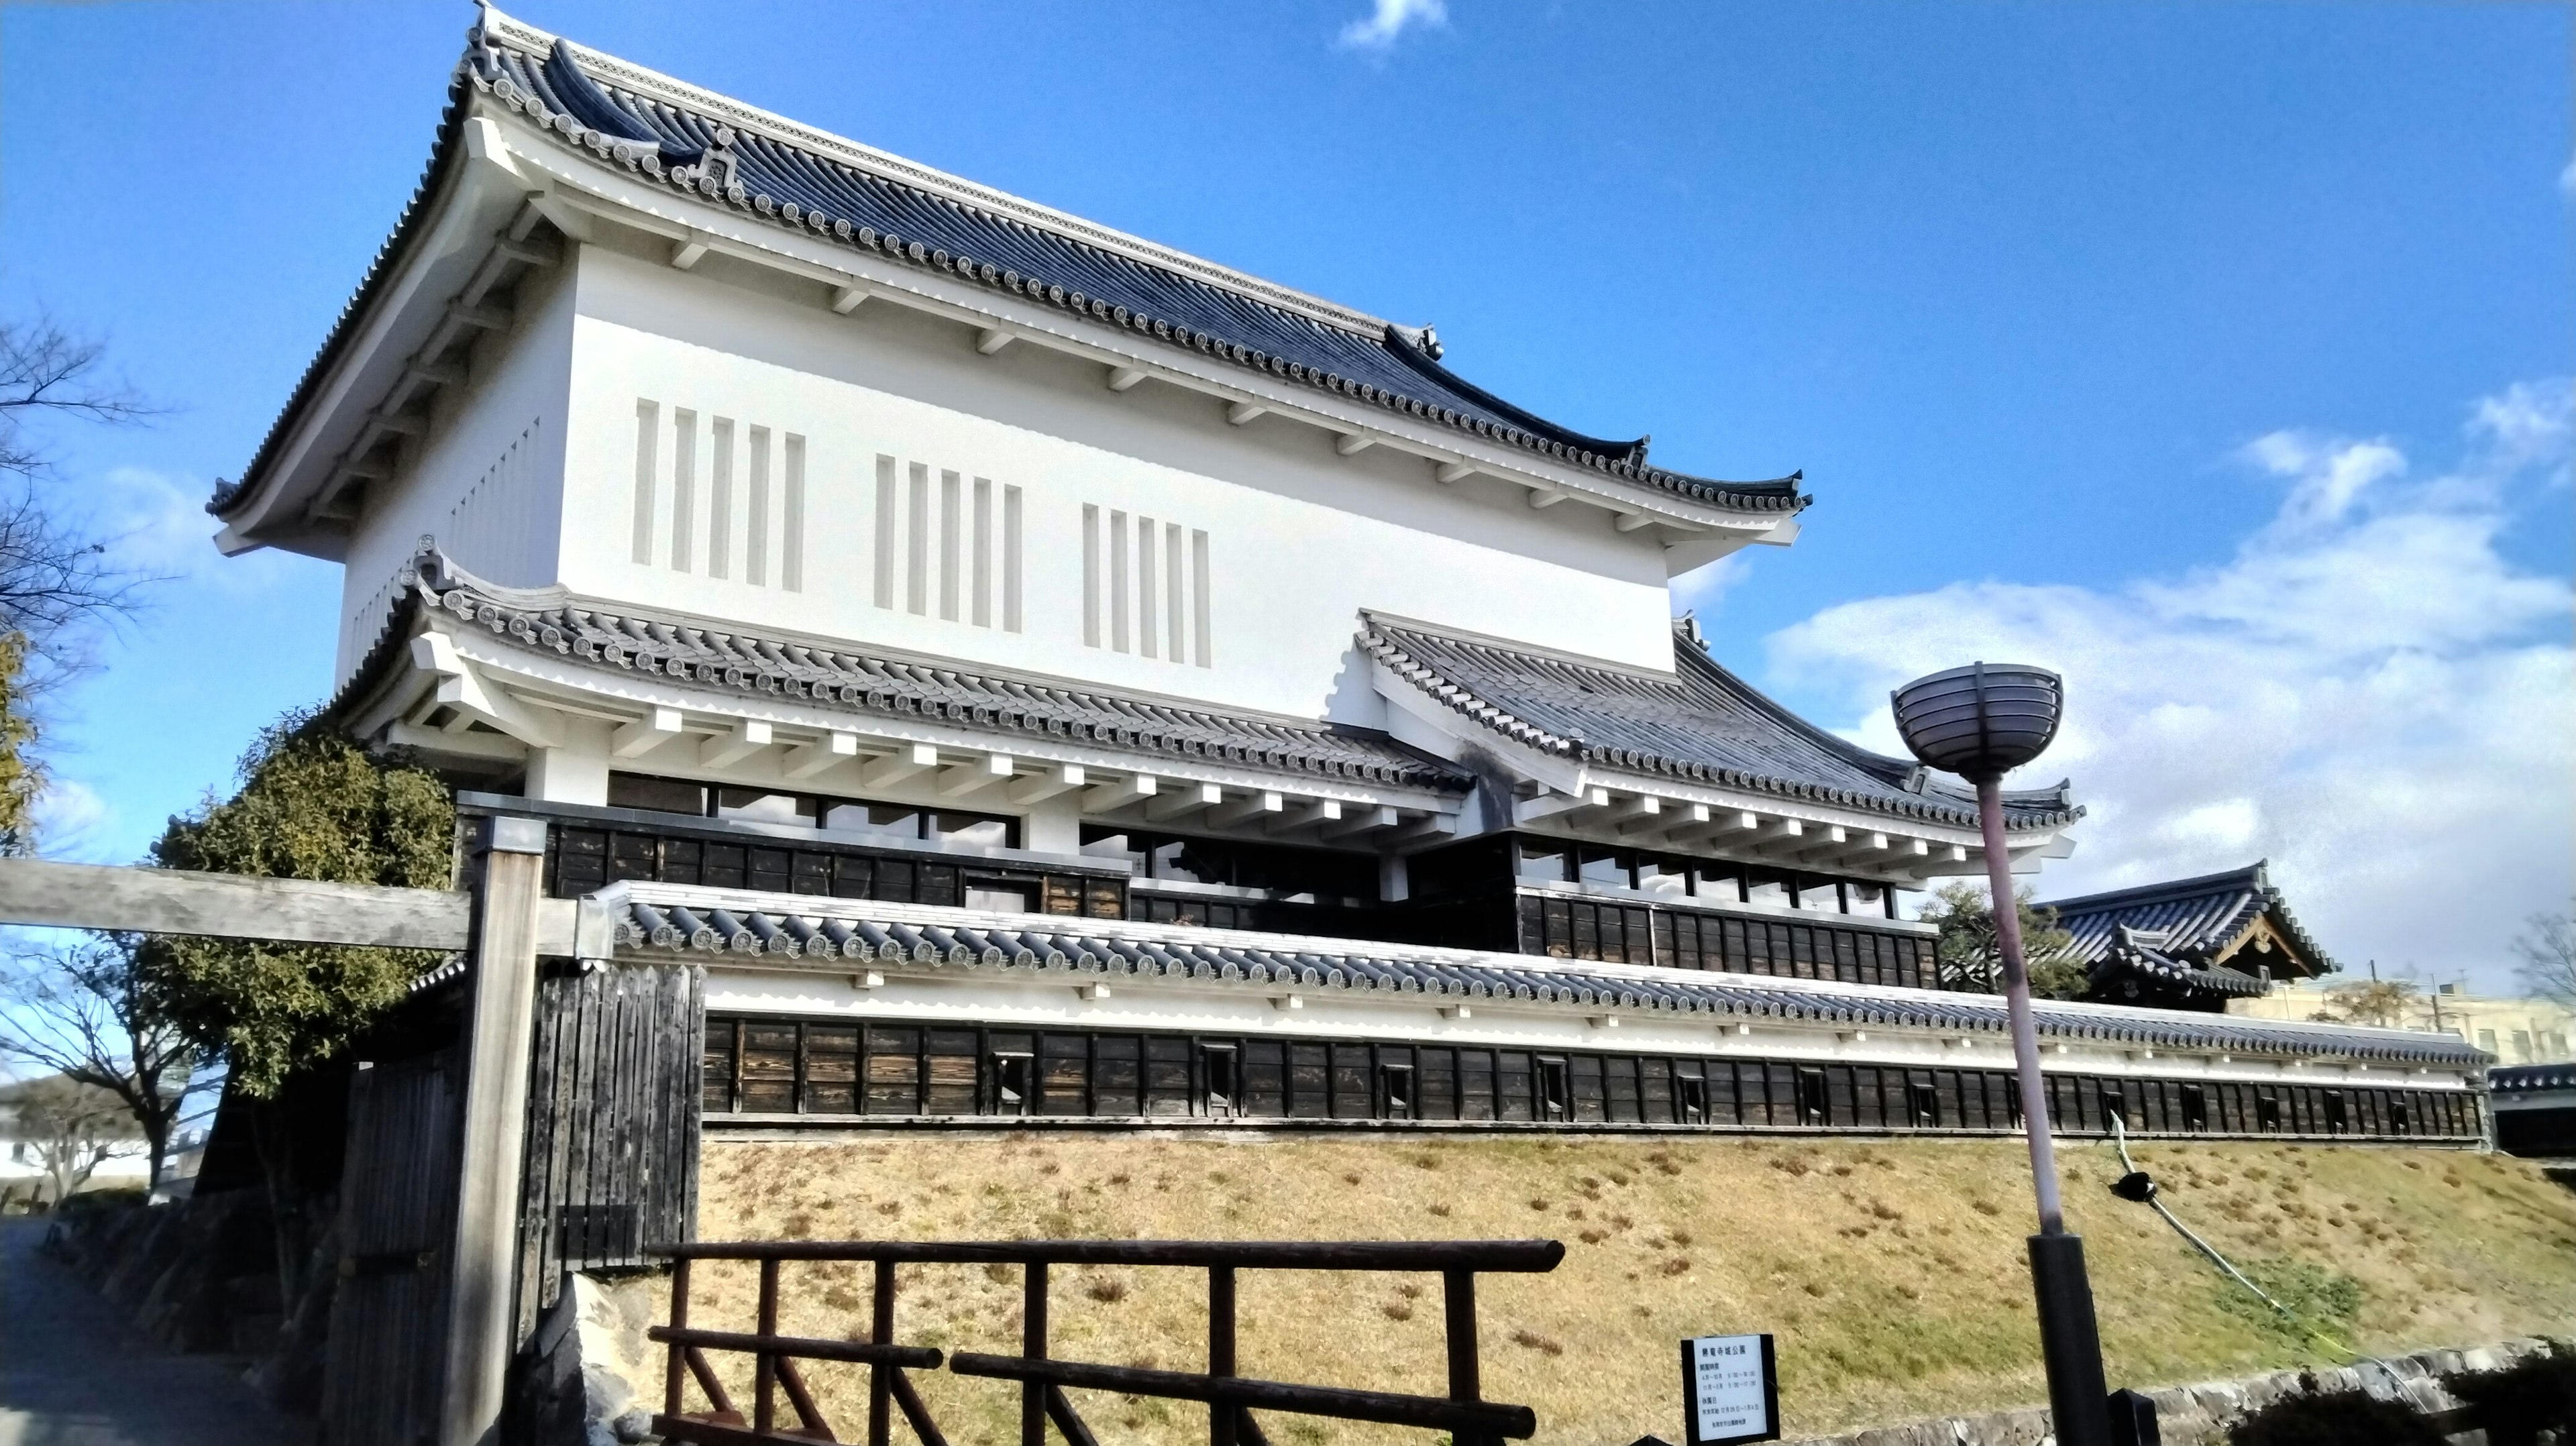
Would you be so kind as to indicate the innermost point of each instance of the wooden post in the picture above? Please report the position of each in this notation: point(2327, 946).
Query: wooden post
point(1033, 1344)
point(672, 1400)
point(881, 1375)
point(511, 861)
point(1221, 1414)
point(764, 1367)
point(1458, 1311)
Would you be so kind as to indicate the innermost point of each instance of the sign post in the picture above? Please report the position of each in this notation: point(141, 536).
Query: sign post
point(1730, 1390)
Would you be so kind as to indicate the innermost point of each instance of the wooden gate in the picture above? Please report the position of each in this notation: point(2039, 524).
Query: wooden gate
point(612, 1138)
point(388, 1345)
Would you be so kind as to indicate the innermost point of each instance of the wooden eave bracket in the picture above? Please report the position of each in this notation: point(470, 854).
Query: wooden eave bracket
point(462, 688)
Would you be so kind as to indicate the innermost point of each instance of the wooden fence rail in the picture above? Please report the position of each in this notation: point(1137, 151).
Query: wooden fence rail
point(1230, 1398)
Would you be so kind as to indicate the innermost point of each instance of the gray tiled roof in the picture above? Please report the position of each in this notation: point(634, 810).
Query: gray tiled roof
point(2134, 955)
point(553, 622)
point(1701, 723)
point(2190, 920)
point(823, 197)
point(745, 926)
point(2531, 1078)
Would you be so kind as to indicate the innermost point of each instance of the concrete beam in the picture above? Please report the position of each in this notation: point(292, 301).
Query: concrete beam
point(1038, 788)
point(645, 734)
point(822, 753)
point(1106, 796)
point(903, 763)
point(1363, 819)
point(727, 749)
point(1186, 799)
point(1245, 810)
point(961, 779)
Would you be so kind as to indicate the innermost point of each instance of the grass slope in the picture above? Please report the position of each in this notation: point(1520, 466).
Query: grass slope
point(1892, 1271)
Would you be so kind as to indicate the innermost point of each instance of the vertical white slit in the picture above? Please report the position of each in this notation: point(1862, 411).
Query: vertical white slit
point(1118, 581)
point(983, 613)
point(1146, 618)
point(916, 536)
point(1011, 561)
point(1090, 574)
point(720, 498)
point(648, 424)
point(1204, 656)
point(951, 534)
point(791, 518)
point(755, 532)
point(684, 483)
point(885, 530)
point(1172, 599)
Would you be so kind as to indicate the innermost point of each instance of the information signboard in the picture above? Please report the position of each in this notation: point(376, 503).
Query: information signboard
point(1730, 1390)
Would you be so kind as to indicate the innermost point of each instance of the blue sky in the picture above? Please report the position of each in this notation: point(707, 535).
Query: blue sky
point(2219, 348)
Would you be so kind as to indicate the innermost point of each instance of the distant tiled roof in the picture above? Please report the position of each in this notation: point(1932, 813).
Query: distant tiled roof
point(2191, 920)
point(553, 622)
point(2531, 1078)
point(2133, 956)
point(655, 131)
point(1700, 722)
point(784, 927)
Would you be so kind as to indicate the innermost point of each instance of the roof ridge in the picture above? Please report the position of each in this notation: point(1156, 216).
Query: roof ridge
point(945, 184)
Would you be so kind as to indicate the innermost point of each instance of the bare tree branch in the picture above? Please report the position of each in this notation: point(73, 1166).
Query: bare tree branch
point(89, 1014)
point(2548, 950)
point(46, 371)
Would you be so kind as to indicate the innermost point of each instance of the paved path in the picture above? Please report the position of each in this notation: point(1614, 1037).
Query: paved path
point(74, 1372)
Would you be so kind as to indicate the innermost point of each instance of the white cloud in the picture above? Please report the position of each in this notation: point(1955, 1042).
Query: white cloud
point(70, 818)
point(1387, 23)
point(157, 524)
point(2368, 692)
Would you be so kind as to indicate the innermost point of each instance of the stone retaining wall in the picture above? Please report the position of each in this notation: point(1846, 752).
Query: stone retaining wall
point(2200, 1415)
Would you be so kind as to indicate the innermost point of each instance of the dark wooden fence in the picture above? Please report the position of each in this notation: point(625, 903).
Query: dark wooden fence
point(612, 1136)
point(1469, 1419)
point(388, 1342)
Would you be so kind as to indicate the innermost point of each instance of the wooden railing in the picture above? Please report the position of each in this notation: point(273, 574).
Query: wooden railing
point(1463, 1413)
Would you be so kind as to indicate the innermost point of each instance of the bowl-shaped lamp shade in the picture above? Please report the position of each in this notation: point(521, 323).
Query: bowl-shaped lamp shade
point(1981, 721)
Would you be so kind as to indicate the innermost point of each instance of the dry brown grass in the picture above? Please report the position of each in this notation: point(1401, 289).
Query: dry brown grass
point(1893, 1273)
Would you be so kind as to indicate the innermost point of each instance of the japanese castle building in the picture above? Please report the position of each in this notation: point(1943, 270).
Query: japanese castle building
point(1041, 676)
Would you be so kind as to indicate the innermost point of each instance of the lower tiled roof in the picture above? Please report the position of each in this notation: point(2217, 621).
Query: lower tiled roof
point(2531, 1078)
point(743, 926)
point(1701, 723)
point(2132, 956)
point(2187, 919)
point(551, 621)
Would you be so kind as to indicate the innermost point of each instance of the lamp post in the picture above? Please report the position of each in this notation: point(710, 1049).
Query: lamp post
point(1981, 722)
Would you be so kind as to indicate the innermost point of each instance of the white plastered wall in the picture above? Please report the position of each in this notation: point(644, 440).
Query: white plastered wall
point(487, 480)
point(1298, 538)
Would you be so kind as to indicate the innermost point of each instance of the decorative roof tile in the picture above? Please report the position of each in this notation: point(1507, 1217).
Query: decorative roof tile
point(1701, 723)
point(749, 927)
point(553, 621)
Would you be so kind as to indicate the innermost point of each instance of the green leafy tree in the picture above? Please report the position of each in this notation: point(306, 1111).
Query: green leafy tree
point(1970, 958)
point(22, 775)
point(312, 805)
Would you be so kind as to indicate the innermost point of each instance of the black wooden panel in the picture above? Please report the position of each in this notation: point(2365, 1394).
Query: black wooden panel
point(611, 1153)
point(387, 1350)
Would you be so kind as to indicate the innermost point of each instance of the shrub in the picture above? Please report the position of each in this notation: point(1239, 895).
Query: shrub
point(2347, 1418)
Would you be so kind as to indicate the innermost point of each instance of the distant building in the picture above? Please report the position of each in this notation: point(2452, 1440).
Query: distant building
point(2207, 943)
point(2515, 1031)
point(59, 1137)
point(2535, 1109)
